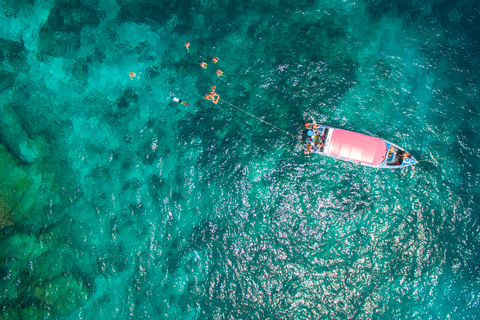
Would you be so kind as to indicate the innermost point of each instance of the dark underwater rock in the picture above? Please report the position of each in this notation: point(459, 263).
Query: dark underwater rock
point(6, 80)
point(62, 31)
point(14, 137)
point(12, 51)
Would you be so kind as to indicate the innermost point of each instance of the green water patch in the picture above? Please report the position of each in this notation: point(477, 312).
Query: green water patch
point(44, 273)
point(66, 293)
point(13, 187)
point(38, 266)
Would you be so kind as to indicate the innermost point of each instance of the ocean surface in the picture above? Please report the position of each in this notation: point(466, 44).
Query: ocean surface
point(117, 203)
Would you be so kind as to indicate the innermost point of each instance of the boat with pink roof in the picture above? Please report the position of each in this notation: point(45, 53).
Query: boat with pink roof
point(355, 147)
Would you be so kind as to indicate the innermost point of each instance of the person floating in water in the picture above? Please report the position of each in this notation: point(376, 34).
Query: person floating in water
point(220, 73)
point(187, 45)
point(216, 98)
point(175, 99)
point(133, 75)
point(203, 65)
point(209, 96)
point(215, 60)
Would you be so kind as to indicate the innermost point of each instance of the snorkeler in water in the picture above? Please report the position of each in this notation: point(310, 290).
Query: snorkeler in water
point(175, 99)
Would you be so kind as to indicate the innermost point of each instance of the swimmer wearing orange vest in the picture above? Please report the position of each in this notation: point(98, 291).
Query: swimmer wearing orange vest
point(203, 65)
point(209, 96)
point(133, 75)
point(213, 96)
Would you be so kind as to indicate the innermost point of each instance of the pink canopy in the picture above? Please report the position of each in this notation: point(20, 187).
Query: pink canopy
point(357, 147)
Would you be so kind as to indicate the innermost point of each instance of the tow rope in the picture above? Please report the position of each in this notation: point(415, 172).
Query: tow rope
point(446, 158)
point(211, 95)
point(267, 123)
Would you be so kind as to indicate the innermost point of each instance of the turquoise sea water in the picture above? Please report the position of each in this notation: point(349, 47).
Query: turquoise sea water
point(116, 203)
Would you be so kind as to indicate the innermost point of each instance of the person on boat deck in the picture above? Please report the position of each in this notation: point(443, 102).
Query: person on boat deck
point(391, 150)
point(311, 145)
point(308, 149)
point(405, 155)
point(311, 125)
point(401, 156)
point(319, 145)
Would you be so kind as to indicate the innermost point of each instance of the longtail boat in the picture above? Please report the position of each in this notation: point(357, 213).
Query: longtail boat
point(355, 147)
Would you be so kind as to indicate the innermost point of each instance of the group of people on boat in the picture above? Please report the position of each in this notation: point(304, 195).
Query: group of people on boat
point(316, 138)
point(396, 156)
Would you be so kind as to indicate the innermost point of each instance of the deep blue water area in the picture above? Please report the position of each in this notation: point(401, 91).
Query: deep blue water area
point(117, 203)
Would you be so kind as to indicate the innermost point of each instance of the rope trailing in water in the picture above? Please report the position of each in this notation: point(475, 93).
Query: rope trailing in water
point(447, 158)
point(254, 116)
